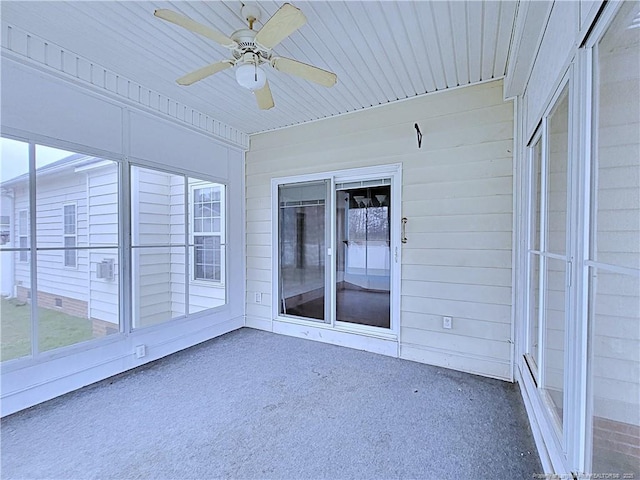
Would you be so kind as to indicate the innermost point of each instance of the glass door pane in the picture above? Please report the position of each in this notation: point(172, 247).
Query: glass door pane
point(535, 197)
point(302, 250)
point(363, 256)
point(557, 177)
point(534, 312)
point(615, 363)
point(555, 263)
point(615, 278)
point(554, 339)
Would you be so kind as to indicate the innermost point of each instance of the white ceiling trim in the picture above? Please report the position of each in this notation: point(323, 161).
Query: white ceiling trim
point(31, 49)
point(427, 94)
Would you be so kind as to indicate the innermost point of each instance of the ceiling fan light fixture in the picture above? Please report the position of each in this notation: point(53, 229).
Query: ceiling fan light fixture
point(251, 48)
point(250, 76)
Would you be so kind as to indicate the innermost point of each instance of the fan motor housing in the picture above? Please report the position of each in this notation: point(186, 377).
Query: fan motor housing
point(245, 38)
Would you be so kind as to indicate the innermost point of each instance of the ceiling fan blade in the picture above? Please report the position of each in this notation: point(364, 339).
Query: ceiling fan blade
point(204, 72)
point(192, 25)
point(264, 97)
point(283, 23)
point(302, 70)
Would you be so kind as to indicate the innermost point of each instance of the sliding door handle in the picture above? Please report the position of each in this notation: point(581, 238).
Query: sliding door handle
point(404, 230)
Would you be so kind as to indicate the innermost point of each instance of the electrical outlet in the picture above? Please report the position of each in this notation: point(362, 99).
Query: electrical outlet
point(141, 351)
point(258, 298)
point(446, 322)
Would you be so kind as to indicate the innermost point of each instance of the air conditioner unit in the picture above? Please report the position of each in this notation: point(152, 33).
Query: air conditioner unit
point(104, 269)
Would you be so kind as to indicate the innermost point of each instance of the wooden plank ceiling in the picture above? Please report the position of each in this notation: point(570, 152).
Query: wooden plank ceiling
point(381, 51)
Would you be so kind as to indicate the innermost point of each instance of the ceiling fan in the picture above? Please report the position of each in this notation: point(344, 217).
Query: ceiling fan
point(252, 49)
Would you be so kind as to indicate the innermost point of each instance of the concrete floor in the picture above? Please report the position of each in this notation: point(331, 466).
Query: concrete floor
point(252, 404)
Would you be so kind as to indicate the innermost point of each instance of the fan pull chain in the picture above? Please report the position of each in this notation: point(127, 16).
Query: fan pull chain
point(255, 63)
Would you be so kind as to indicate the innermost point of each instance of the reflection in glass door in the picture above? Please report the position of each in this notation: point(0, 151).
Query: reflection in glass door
point(555, 259)
point(302, 247)
point(363, 255)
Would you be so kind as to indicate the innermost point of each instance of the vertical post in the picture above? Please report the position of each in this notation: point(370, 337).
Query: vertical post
point(187, 245)
point(35, 350)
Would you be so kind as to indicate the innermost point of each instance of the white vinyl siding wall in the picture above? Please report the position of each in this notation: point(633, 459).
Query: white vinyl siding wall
point(176, 224)
point(53, 191)
point(616, 315)
point(103, 230)
point(151, 225)
point(202, 294)
point(95, 197)
point(456, 194)
point(158, 219)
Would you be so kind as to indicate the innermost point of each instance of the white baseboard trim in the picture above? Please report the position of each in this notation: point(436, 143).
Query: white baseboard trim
point(258, 323)
point(460, 361)
point(25, 387)
point(383, 346)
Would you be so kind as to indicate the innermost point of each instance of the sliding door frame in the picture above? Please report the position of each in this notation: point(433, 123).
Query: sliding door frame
point(559, 436)
point(394, 172)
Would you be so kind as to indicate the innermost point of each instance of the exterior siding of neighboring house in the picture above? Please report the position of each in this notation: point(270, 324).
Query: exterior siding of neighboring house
point(90, 186)
point(152, 289)
point(158, 219)
point(87, 186)
point(102, 206)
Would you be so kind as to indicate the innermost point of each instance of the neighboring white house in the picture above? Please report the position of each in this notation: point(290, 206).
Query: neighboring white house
point(77, 240)
point(67, 201)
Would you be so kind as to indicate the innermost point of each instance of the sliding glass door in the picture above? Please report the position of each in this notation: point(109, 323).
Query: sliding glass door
point(549, 260)
point(613, 263)
point(336, 255)
point(302, 246)
point(363, 266)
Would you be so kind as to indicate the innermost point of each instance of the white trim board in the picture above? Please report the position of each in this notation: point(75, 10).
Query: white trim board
point(34, 51)
point(545, 459)
point(382, 346)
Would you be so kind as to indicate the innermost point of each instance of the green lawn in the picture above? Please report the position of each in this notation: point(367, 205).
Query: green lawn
point(56, 329)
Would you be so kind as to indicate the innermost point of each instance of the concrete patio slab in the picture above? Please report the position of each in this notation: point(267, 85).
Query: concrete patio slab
point(252, 404)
